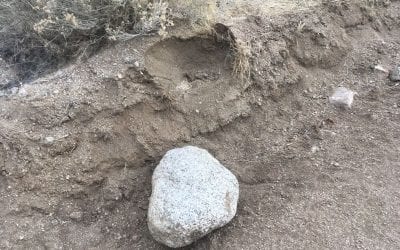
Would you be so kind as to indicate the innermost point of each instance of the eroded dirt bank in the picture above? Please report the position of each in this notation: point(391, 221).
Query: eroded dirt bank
point(78, 148)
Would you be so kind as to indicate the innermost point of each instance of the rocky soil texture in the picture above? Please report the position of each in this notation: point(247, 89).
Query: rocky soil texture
point(78, 147)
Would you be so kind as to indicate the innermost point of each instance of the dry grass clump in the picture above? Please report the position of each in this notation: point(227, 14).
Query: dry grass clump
point(241, 63)
point(241, 51)
point(39, 35)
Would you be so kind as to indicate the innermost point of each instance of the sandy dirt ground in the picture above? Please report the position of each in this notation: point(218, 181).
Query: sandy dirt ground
point(78, 147)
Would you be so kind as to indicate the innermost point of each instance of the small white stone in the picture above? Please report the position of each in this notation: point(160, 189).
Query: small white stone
point(76, 215)
point(49, 140)
point(394, 74)
point(183, 86)
point(14, 90)
point(314, 149)
point(381, 68)
point(22, 92)
point(342, 97)
point(192, 195)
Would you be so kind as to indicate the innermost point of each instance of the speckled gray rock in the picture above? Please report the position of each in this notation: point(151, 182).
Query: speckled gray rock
point(394, 74)
point(192, 195)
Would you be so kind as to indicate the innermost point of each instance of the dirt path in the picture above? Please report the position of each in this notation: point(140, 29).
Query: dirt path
point(77, 148)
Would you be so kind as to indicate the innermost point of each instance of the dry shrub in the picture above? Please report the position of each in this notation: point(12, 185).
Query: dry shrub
point(37, 36)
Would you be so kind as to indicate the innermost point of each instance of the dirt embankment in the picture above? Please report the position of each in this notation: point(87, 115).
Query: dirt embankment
point(78, 148)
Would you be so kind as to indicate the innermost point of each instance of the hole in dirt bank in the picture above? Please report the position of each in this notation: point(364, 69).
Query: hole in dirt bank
point(176, 61)
point(196, 76)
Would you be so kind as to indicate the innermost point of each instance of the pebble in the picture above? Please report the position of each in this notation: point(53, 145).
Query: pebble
point(314, 149)
point(381, 68)
point(394, 74)
point(342, 97)
point(49, 140)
